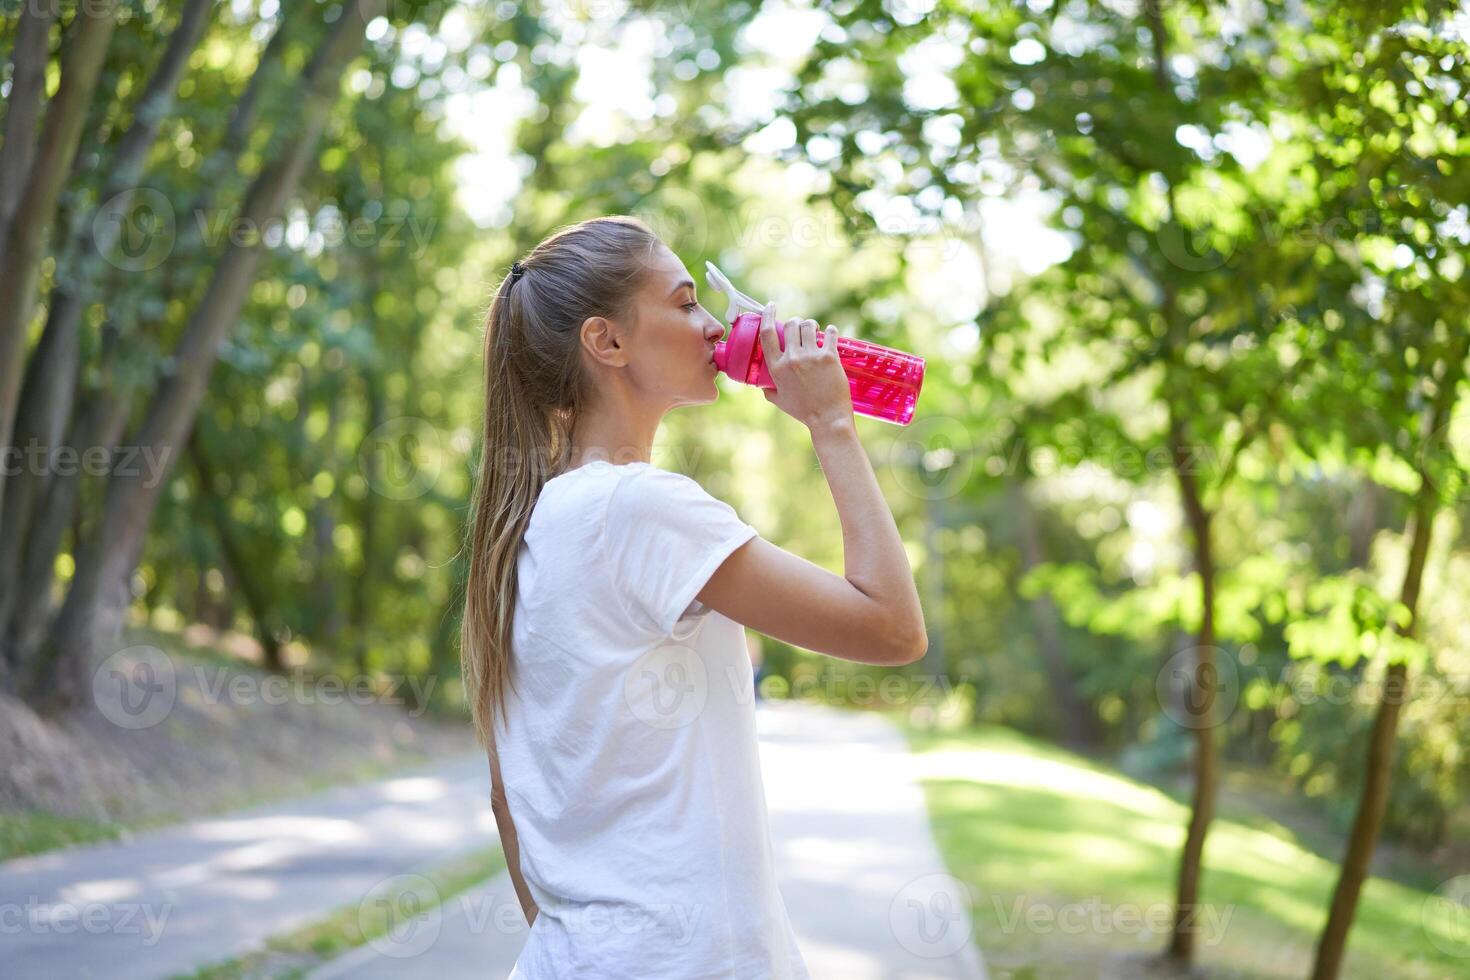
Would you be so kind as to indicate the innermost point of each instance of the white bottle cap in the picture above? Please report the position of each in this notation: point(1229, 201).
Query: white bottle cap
point(739, 302)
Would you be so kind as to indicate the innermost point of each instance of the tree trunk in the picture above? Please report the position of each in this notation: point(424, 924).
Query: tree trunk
point(362, 589)
point(1362, 518)
point(224, 161)
point(934, 523)
point(23, 105)
point(31, 228)
point(1202, 691)
point(328, 619)
point(1373, 801)
point(237, 563)
point(1074, 720)
point(100, 423)
point(92, 612)
point(41, 422)
point(51, 376)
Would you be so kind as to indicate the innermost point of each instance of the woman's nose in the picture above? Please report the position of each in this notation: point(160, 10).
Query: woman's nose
point(713, 329)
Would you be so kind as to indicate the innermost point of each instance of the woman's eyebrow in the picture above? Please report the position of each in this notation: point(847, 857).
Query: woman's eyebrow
point(686, 282)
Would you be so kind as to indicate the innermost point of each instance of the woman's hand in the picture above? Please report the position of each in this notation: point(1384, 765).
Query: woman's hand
point(811, 386)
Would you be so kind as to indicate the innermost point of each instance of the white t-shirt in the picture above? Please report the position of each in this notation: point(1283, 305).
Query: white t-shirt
point(628, 746)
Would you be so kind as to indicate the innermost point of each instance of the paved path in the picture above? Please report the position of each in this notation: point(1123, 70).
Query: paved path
point(866, 889)
point(175, 899)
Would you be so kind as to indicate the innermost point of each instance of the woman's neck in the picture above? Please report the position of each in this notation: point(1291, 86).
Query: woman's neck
point(614, 435)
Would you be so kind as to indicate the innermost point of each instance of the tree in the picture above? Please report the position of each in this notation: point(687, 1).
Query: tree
point(25, 236)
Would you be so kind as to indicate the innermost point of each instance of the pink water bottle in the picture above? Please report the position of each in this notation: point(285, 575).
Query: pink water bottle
point(884, 382)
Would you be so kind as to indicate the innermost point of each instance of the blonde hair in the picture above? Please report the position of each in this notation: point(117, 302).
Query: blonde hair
point(535, 388)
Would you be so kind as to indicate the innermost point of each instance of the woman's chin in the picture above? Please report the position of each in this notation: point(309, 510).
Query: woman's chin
point(710, 392)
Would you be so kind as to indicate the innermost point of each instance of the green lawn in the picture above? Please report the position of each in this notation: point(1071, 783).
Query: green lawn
point(1069, 863)
point(35, 831)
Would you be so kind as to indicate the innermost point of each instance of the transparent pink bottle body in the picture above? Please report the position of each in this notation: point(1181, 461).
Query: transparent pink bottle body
point(884, 382)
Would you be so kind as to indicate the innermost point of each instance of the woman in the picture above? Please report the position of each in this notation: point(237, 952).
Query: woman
point(603, 650)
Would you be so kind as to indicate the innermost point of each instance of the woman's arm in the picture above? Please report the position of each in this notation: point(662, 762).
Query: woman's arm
point(508, 843)
point(871, 613)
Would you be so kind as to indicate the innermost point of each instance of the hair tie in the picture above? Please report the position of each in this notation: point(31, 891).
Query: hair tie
point(516, 271)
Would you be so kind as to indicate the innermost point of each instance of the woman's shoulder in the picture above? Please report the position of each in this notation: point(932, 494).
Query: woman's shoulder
point(638, 477)
point(631, 494)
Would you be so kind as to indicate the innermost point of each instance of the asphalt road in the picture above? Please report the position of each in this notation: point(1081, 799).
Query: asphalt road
point(867, 892)
point(868, 895)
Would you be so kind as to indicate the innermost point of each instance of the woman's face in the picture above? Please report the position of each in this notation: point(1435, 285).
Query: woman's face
point(671, 339)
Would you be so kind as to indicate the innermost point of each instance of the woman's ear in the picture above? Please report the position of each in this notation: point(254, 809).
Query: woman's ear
point(603, 338)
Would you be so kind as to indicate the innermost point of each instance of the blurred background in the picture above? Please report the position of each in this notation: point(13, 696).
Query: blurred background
point(1185, 489)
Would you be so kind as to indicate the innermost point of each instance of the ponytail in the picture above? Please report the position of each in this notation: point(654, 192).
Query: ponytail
point(535, 387)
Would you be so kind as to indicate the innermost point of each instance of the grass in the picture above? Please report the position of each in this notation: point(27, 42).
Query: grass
point(36, 831)
point(297, 953)
point(1071, 870)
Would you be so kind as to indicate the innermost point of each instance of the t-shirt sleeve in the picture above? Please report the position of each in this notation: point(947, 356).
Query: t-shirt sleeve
point(666, 535)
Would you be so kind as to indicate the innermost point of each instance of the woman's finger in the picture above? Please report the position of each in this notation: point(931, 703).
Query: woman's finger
point(793, 334)
point(809, 334)
point(770, 342)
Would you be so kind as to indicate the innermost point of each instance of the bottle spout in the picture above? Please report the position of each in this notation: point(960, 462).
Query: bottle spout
point(722, 355)
point(738, 302)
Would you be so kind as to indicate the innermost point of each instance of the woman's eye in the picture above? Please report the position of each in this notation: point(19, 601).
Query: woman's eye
point(691, 306)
